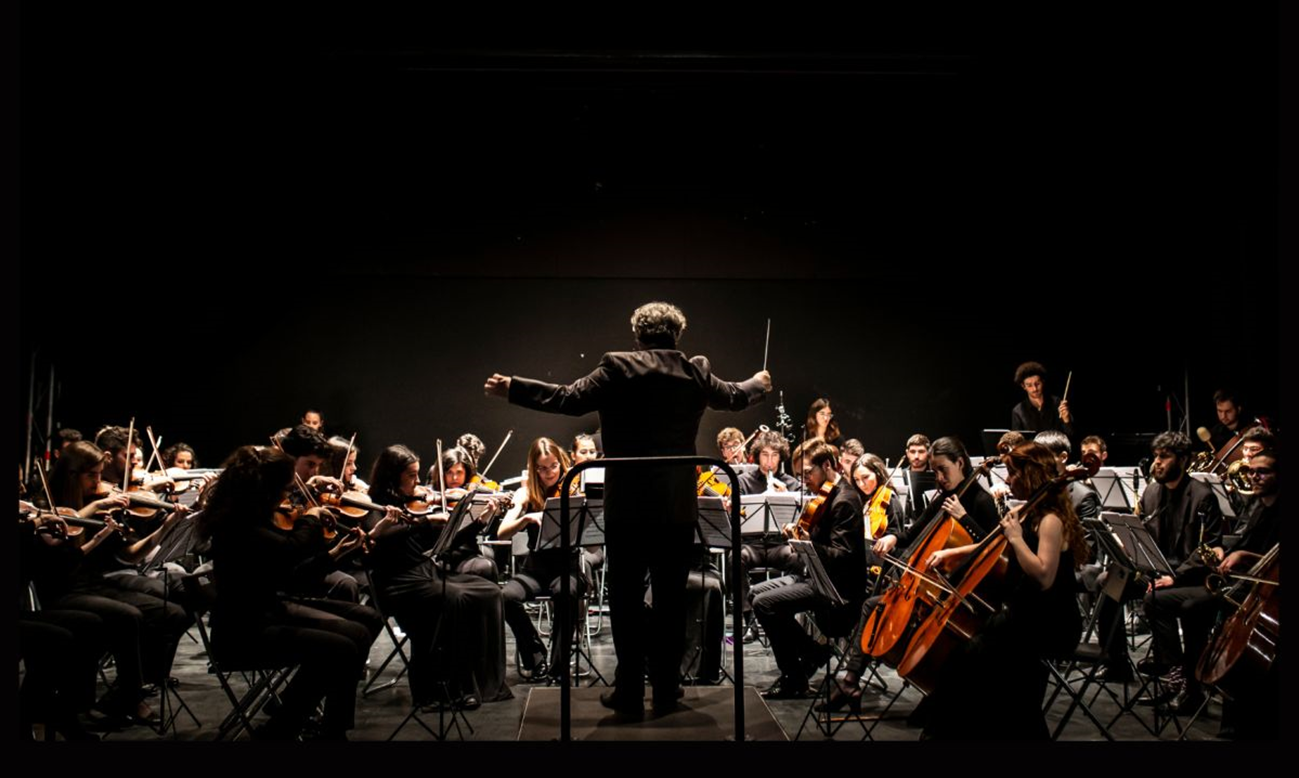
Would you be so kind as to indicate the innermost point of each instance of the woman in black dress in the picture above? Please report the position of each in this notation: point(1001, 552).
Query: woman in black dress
point(459, 613)
point(994, 688)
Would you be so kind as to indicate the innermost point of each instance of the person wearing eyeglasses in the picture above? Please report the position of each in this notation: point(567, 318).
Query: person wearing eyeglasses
point(821, 423)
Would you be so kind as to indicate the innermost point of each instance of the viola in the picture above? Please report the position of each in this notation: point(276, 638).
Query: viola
point(877, 512)
point(709, 485)
point(813, 511)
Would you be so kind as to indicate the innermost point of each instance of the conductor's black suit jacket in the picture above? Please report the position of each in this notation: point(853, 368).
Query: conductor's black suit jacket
point(650, 404)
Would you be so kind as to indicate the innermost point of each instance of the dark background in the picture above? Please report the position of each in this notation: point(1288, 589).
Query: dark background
point(227, 218)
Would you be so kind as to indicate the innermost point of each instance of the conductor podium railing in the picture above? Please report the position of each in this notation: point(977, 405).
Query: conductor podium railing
point(564, 628)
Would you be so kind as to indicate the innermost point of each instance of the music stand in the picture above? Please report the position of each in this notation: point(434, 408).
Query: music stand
point(764, 514)
point(816, 573)
point(1219, 490)
point(1114, 486)
point(548, 537)
point(713, 523)
point(592, 482)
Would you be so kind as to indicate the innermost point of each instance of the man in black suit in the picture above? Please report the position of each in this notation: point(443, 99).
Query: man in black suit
point(650, 402)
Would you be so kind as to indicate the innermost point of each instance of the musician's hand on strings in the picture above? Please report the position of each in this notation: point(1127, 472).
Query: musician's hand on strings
point(1010, 526)
point(935, 559)
point(497, 386)
point(885, 544)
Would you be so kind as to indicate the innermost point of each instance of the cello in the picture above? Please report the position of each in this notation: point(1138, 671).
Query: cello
point(1241, 655)
point(976, 591)
point(889, 621)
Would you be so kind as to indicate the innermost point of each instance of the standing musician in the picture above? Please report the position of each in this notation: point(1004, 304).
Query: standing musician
point(1038, 412)
point(252, 624)
point(993, 688)
point(821, 423)
point(464, 556)
point(143, 625)
point(467, 610)
point(650, 401)
point(975, 509)
point(838, 535)
point(541, 571)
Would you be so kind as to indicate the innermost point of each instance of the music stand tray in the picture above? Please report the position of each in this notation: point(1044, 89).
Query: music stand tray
point(816, 573)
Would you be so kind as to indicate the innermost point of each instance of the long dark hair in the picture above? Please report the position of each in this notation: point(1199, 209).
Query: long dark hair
point(249, 488)
point(831, 430)
point(385, 476)
point(1036, 465)
point(76, 459)
point(952, 448)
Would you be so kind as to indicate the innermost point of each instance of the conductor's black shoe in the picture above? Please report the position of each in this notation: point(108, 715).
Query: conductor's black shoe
point(786, 688)
point(623, 703)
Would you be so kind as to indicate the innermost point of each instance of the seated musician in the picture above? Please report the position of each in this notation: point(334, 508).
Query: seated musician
point(464, 556)
point(975, 509)
point(119, 453)
point(1086, 501)
point(541, 570)
point(143, 624)
point(730, 445)
point(442, 612)
point(313, 419)
point(1096, 446)
point(851, 449)
point(1038, 412)
point(252, 625)
point(1189, 602)
point(769, 450)
point(882, 516)
point(1231, 418)
point(584, 450)
point(917, 462)
point(838, 535)
point(341, 464)
point(992, 688)
point(1180, 512)
point(309, 451)
point(472, 445)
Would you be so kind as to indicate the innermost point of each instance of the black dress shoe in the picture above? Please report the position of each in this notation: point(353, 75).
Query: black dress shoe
point(623, 703)
point(843, 695)
point(1187, 701)
point(470, 702)
point(816, 658)
point(786, 688)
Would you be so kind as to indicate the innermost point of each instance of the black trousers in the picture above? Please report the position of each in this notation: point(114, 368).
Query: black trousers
point(1196, 608)
point(776, 603)
point(776, 555)
point(61, 651)
point(664, 552)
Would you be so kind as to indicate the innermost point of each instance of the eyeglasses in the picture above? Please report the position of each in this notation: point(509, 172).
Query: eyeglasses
point(1260, 470)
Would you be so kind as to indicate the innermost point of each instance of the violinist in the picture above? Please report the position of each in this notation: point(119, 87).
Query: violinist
point(1038, 412)
point(143, 624)
point(342, 465)
point(975, 509)
point(541, 570)
point(882, 515)
point(821, 423)
point(1191, 603)
point(838, 535)
point(253, 624)
point(60, 648)
point(309, 451)
point(584, 450)
point(121, 453)
point(472, 445)
point(464, 556)
point(1086, 501)
point(179, 455)
point(457, 613)
point(993, 688)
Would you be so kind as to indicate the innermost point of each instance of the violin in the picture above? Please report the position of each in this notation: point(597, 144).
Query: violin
point(709, 485)
point(813, 511)
point(877, 513)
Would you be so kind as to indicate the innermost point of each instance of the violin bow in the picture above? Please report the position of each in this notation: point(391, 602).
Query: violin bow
point(130, 436)
point(442, 483)
point(346, 457)
point(156, 443)
point(483, 473)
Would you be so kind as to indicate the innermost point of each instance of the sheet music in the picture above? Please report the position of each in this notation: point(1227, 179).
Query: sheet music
point(816, 573)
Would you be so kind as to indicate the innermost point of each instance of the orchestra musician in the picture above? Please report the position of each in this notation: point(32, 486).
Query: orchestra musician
point(460, 613)
point(730, 444)
point(917, 463)
point(252, 625)
point(309, 450)
point(851, 449)
point(314, 419)
point(838, 535)
point(1086, 501)
point(1038, 412)
point(769, 450)
point(541, 570)
point(821, 423)
point(650, 401)
point(1230, 418)
point(993, 688)
point(584, 450)
point(464, 556)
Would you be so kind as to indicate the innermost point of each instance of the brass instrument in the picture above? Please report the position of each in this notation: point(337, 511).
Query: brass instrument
point(1203, 461)
point(1239, 479)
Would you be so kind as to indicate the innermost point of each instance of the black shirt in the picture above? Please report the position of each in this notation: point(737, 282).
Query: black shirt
point(1025, 417)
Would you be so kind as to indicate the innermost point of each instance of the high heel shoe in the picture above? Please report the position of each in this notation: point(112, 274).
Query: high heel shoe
point(843, 694)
